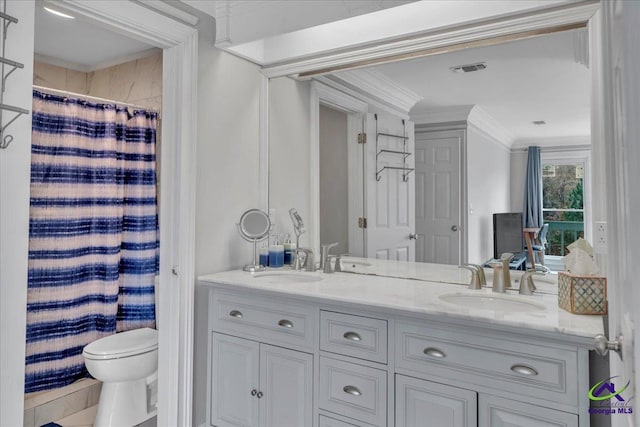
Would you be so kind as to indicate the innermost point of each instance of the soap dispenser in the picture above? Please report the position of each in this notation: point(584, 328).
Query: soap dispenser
point(276, 254)
point(264, 255)
point(289, 252)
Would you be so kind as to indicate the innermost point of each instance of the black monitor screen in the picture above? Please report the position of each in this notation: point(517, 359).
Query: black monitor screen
point(507, 233)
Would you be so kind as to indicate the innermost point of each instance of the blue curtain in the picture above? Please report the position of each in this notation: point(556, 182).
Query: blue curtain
point(532, 209)
point(93, 232)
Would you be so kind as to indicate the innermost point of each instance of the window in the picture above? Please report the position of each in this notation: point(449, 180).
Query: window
point(563, 207)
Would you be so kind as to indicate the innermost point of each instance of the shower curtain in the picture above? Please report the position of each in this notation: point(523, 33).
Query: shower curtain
point(93, 232)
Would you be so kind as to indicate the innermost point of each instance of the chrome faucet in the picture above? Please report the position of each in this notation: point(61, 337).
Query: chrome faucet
point(478, 279)
point(338, 265)
point(498, 277)
point(327, 264)
point(527, 287)
point(324, 255)
point(506, 258)
point(309, 260)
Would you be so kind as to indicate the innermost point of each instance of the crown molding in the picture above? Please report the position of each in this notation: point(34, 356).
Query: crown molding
point(488, 125)
point(429, 116)
point(374, 84)
point(170, 11)
point(472, 115)
point(575, 142)
point(372, 102)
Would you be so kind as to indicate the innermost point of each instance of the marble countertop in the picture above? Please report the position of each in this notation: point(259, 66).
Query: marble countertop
point(419, 297)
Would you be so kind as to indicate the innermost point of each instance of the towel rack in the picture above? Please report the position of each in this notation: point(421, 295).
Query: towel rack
point(404, 153)
point(6, 139)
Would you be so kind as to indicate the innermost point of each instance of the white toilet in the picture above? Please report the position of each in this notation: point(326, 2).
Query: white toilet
point(127, 365)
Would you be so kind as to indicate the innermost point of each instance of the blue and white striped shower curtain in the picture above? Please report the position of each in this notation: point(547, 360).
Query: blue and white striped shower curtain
point(93, 232)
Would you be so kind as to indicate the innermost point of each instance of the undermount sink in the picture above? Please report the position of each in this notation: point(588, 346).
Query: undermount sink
point(285, 277)
point(492, 302)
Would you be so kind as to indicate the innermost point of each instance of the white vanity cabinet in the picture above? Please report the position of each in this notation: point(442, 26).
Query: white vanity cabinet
point(285, 360)
point(256, 384)
point(442, 405)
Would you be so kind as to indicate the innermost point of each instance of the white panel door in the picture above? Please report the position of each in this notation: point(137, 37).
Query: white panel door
point(444, 406)
point(621, 148)
point(286, 387)
point(438, 191)
point(499, 412)
point(389, 201)
point(234, 375)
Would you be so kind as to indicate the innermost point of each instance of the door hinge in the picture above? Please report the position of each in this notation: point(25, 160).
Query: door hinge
point(362, 222)
point(362, 138)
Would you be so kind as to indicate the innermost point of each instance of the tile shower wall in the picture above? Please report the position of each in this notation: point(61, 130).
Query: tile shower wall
point(136, 82)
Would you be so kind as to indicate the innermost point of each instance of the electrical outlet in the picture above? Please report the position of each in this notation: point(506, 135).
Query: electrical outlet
point(600, 244)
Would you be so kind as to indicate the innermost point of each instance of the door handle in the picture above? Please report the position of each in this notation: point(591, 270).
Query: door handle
point(454, 228)
point(413, 236)
point(603, 345)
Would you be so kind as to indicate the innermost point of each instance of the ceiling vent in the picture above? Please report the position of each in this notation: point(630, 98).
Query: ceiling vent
point(469, 67)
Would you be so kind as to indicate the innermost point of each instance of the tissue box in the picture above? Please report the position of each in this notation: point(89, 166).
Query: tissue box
point(582, 294)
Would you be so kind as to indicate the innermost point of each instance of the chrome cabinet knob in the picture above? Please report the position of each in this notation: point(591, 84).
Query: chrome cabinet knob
point(254, 392)
point(259, 395)
point(413, 236)
point(454, 228)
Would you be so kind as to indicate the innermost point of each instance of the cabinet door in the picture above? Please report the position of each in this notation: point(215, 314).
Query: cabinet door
point(234, 374)
point(499, 412)
point(420, 403)
point(286, 378)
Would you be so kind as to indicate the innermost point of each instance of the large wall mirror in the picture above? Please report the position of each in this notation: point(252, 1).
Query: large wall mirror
point(446, 139)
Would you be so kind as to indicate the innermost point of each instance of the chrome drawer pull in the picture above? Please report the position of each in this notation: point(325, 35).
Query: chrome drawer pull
point(235, 313)
point(352, 390)
point(353, 336)
point(524, 370)
point(285, 323)
point(434, 352)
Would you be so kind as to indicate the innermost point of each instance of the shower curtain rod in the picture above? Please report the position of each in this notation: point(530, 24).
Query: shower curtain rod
point(91, 98)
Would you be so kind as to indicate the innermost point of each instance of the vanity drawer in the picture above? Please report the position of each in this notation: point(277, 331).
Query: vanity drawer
point(490, 362)
point(332, 422)
point(356, 336)
point(263, 319)
point(353, 391)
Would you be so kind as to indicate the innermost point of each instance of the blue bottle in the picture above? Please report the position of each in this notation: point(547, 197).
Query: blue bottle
point(264, 256)
point(276, 255)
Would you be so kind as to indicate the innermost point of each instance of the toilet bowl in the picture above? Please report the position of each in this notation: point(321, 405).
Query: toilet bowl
point(127, 365)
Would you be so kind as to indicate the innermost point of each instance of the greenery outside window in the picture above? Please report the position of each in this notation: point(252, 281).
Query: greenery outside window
point(563, 203)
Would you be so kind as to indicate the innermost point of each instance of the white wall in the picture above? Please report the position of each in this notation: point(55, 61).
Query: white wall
point(15, 164)
point(227, 183)
point(334, 197)
point(488, 190)
point(289, 153)
point(518, 173)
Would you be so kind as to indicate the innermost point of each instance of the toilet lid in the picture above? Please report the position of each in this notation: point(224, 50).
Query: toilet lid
point(122, 344)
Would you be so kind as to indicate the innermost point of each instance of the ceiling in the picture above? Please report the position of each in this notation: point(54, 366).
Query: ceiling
point(526, 80)
point(79, 45)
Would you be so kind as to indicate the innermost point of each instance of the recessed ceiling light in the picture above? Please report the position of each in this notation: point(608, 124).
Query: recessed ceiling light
point(468, 68)
point(539, 122)
point(57, 13)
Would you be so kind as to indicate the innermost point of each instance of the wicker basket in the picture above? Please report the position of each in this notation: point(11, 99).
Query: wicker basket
point(582, 294)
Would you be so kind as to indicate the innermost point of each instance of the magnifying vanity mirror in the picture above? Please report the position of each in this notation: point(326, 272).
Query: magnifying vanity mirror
point(254, 226)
